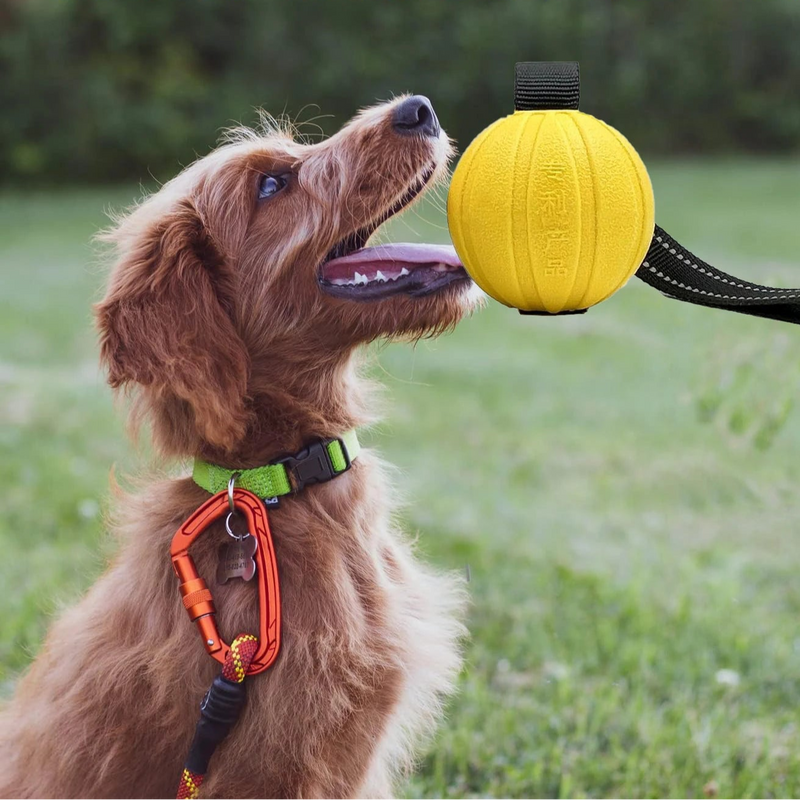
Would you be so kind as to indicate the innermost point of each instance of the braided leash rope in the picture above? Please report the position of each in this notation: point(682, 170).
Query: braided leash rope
point(190, 785)
point(237, 662)
point(218, 712)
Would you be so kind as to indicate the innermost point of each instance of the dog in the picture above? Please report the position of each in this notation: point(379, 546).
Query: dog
point(237, 306)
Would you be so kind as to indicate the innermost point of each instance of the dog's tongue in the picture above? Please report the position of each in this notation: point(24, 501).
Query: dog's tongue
point(390, 260)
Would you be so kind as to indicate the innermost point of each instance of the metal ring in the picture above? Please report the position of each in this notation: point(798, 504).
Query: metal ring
point(231, 484)
point(230, 532)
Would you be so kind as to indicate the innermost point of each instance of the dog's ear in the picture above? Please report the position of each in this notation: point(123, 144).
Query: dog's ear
point(165, 324)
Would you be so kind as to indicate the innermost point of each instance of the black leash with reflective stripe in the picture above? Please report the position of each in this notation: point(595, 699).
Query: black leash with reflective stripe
point(668, 266)
point(677, 273)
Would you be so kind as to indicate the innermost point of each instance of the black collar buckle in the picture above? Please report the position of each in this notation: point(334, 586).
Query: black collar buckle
point(313, 464)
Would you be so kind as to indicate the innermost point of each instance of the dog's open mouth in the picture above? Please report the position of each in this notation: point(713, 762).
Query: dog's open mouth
point(352, 271)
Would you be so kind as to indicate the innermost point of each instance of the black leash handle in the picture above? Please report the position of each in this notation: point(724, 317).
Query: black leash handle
point(668, 266)
point(219, 711)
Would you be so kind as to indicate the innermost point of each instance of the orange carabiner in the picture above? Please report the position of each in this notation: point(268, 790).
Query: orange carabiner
point(196, 595)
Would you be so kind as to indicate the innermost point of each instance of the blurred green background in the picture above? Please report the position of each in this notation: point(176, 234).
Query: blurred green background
point(101, 90)
point(622, 485)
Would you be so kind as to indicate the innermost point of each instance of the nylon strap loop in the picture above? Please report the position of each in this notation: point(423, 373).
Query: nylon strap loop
point(543, 85)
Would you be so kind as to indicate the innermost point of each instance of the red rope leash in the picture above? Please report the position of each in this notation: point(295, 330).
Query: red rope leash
point(237, 662)
point(218, 712)
point(190, 785)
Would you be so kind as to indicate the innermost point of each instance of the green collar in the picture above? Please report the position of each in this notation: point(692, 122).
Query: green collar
point(322, 460)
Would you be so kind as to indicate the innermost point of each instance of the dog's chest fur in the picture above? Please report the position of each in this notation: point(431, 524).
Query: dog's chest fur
point(369, 650)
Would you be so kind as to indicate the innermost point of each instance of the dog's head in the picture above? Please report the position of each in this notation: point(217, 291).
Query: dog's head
point(249, 270)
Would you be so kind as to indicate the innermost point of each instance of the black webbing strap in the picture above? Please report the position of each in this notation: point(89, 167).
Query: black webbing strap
point(542, 85)
point(673, 270)
point(669, 267)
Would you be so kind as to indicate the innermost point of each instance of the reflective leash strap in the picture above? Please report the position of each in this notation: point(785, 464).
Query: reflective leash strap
point(219, 711)
point(677, 273)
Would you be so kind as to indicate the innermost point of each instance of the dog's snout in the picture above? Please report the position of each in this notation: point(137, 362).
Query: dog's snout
point(416, 115)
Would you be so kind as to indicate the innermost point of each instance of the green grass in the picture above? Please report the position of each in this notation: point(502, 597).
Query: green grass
point(622, 485)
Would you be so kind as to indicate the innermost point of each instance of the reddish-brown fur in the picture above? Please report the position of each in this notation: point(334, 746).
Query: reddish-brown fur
point(213, 316)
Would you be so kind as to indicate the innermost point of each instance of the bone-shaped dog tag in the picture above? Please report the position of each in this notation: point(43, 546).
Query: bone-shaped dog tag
point(236, 559)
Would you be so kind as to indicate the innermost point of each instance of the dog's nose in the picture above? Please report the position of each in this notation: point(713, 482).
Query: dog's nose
point(416, 115)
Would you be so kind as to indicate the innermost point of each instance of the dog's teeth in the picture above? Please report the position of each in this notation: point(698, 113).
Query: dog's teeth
point(440, 268)
point(404, 271)
point(360, 279)
point(379, 276)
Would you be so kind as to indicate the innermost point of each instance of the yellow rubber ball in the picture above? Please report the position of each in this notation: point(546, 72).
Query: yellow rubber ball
point(550, 210)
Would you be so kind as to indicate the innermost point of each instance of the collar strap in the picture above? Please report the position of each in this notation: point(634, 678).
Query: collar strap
point(321, 461)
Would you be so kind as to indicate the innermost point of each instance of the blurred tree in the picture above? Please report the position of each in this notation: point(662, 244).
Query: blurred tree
point(101, 90)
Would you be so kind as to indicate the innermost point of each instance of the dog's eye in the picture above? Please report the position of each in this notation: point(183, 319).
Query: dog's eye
point(271, 185)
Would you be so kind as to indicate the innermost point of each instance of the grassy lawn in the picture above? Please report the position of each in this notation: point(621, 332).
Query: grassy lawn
point(622, 485)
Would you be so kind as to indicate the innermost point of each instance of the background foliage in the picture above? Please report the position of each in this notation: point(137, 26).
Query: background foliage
point(98, 90)
point(622, 484)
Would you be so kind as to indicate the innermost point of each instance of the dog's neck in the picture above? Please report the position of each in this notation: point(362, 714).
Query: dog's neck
point(293, 404)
